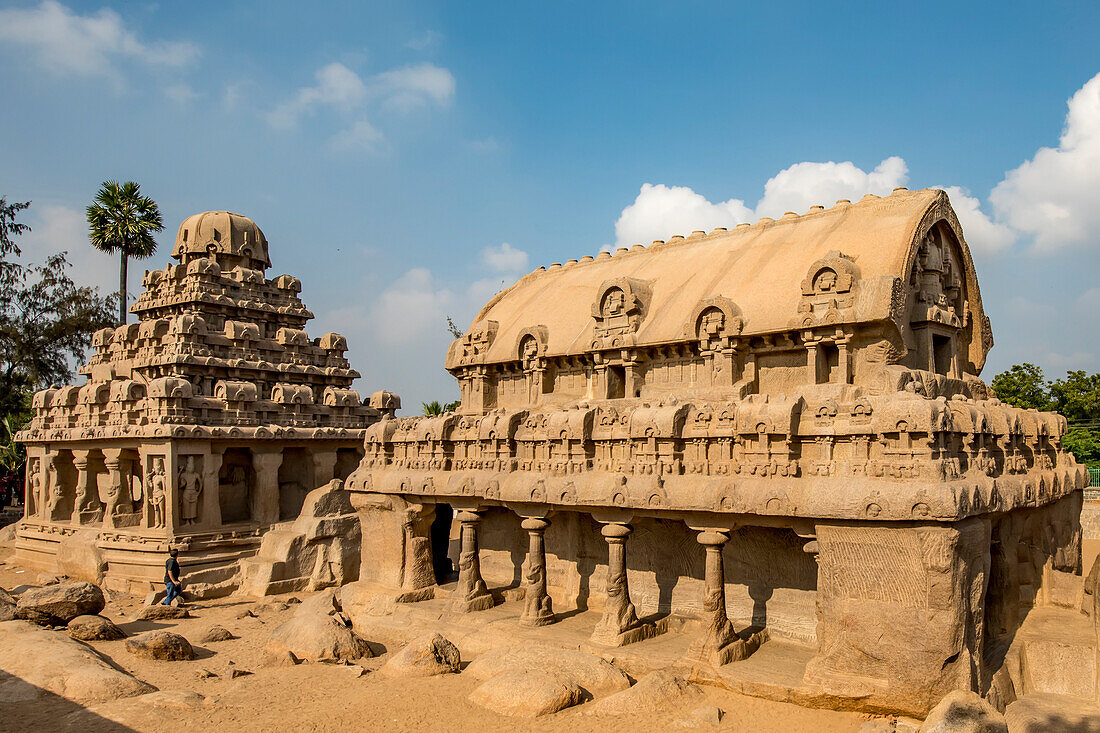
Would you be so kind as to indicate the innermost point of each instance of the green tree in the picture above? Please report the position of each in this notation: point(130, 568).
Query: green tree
point(436, 408)
point(1077, 397)
point(1023, 386)
point(122, 220)
point(46, 325)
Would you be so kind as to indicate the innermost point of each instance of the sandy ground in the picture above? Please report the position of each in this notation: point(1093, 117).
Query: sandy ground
point(319, 697)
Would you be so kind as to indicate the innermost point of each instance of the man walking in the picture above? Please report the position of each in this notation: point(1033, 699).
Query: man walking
point(172, 583)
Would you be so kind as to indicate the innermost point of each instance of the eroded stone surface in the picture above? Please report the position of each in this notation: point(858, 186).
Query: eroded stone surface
point(594, 676)
point(528, 693)
point(94, 628)
point(60, 665)
point(160, 612)
point(216, 633)
point(964, 712)
point(425, 656)
point(164, 646)
point(316, 638)
point(1043, 713)
point(131, 710)
point(652, 693)
point(58, 604)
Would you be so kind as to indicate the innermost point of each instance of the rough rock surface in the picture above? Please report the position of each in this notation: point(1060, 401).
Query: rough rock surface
point(423, 657)
point(94, 628)
point(652, 693)
point(55, 663)
point(594, 676)
point(160, 645)
point(59, 604)
point(7, 606)
point(325, 602)
point(159, 612)
point(707, 716)
point(130, 711)
point(316, 638)
point(216, 633)
point(528, 693)
point(1040, 713)
point(964, 712)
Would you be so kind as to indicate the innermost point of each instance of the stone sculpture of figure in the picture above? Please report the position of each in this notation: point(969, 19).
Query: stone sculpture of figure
point(157, 491)
point(190, 483)
point(34, 500)
point(53, 488)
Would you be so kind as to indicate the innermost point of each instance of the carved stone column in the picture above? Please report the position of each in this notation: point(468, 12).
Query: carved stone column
point(324, 468)
point(471, 593)
point(112, 459)
point(418, 572)
point(86, 505)
point(211, 489)
point(619, 624)
point(718, 644)
point(265, 500)
point(538, 608)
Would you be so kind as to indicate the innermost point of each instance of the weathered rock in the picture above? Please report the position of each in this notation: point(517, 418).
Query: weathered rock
point(158, 612)
point(7, 606)
point(161, 645)
point(281, 658)
point(527, 693)
point(216, 633)
point(205, 674)
point(1042, 713)
point(707, 716)
point(594, 676)
point(652, 693)
point(423, 657)
point(316, 638)
point(60, 665)
point(964, 712)
point(94, 628)
point(59, 604)
point(47, 579)
point(325, 602)
point(235, 672)
point(269, 607)
point(131, 711)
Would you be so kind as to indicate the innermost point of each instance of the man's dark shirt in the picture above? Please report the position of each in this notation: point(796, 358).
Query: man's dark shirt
point(171, 569)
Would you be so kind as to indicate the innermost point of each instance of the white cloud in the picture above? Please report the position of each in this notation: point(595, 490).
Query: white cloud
point(65, 42)
point(56, 228)
point(411, 307)
point(414, 86)
point(981, 232)
point(361, 137)
point(802, 185)
point(661, 211)
point(337, 86)
point(425, 41)
point(504, 258)
point(1055, 196)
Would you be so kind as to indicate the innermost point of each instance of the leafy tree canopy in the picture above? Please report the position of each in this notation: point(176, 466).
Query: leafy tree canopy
point(123, 221)
point(436, 408)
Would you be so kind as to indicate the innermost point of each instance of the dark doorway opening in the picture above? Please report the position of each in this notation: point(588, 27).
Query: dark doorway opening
point(441, 544)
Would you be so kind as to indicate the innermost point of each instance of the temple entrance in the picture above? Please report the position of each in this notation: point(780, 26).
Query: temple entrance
point(295, 481)
point(235, 485)
point(441, 544)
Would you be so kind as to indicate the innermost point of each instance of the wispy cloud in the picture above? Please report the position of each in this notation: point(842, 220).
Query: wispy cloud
point(67, 43)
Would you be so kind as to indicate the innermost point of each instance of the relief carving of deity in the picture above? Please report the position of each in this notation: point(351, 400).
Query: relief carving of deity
point(158, 491)
point(190, 483)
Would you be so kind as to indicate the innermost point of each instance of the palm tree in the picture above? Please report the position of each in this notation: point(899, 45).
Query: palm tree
point(122, 220)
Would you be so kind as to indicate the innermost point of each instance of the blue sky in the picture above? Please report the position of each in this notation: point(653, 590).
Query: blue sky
point(408, 159)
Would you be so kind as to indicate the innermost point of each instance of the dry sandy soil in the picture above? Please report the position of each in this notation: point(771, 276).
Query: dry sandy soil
point(321, 697)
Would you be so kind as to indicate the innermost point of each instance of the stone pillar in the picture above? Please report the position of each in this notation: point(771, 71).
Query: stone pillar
point(211, 489)
point(619, 624)
point(112, 459)
point(811, 361)
point(538, 608)
point(843, 362)
point(324, 468)
point(418, 572)
point(265, 498)
point(86, 505)
point(719, 642)
point(471, 593)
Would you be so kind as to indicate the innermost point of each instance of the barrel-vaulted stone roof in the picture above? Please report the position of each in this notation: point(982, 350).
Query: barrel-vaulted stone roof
point(760, 268)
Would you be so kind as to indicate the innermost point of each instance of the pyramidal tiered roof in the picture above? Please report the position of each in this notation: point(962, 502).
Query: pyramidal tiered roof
point(218, 350)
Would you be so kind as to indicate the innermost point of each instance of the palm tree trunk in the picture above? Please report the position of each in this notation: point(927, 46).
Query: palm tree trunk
point(122, 291)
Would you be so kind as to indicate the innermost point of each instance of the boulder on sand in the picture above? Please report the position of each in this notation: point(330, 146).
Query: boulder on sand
point(216, 633)
point(59, 604)
point(7, 606)
point(316, 638)
point(94, 628)
point(160, 612)
point(527, 693)
point(161, 645)
point(963, 711)
point(424, 657)
point(652, 693)
point(40, 660)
